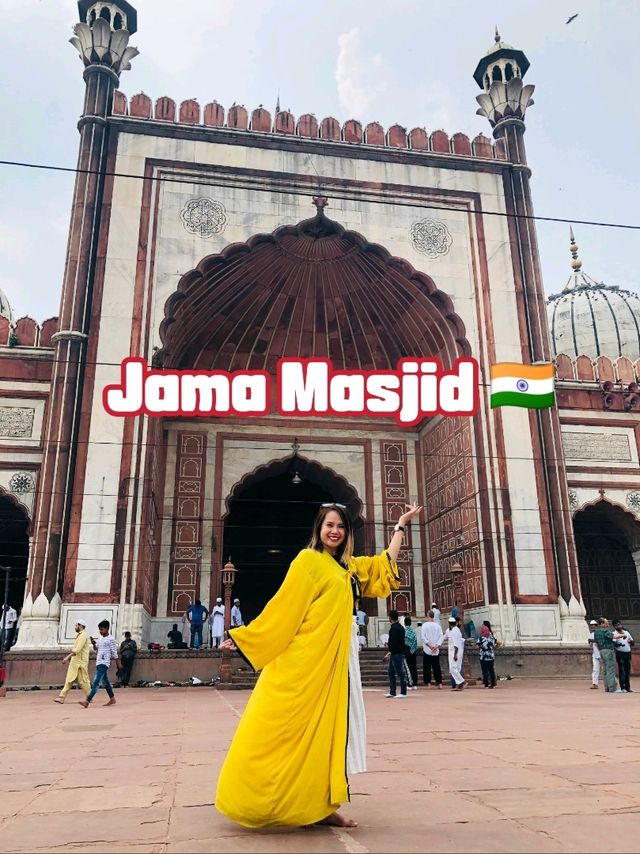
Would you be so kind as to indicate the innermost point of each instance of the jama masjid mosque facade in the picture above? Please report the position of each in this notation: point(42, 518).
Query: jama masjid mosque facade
point(224, 239)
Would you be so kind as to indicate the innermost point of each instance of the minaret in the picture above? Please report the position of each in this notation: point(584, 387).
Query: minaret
point(504, 102)
point(101, 38)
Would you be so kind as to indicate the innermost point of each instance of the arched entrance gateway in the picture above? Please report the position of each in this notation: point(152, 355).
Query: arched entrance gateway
point(608, 546)
point(14, 547)
point(315, 290)
point(271, 512)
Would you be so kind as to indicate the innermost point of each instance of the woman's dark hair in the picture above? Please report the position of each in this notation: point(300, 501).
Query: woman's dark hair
point(344, 552)
point(488, 625)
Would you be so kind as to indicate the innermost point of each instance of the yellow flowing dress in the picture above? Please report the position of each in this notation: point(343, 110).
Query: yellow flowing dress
point(287, 761)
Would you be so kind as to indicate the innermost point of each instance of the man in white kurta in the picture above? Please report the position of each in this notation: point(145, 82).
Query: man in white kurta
point(216, 623)
point(453, 636)
point(595, 655)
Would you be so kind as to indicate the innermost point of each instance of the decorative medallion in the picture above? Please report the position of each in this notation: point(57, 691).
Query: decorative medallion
point(431, 237)
point(573, 499)
point(204, 217)
point(633, 500)
point(21, 482)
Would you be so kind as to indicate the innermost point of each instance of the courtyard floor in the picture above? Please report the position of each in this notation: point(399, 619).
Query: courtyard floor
point(532, 766)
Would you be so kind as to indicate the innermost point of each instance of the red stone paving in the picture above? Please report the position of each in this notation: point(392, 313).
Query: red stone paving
point(533, 766)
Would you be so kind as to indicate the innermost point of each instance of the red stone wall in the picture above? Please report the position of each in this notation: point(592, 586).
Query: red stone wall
point(452, 519)
point(186, 535)
point(395, 494)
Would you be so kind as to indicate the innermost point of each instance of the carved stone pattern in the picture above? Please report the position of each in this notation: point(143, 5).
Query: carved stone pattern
point(186, 535)
point(204, 217)
point(451, 511)
point(633, 500)
point(573, 499)
point(394, 478)
point(431, 237)
point(22, 482)
point(16, 422)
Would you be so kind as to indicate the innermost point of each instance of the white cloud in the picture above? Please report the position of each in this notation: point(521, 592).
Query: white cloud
point(361, 77)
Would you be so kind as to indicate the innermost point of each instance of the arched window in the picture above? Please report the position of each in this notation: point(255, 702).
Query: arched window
point(92, 17)
point(117, 21)
point(496, 74)
point(106, 14)
point(487, 82)
point(508, 71)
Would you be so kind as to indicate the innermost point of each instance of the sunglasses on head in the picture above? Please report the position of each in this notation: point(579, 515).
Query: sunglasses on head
point(335, 504)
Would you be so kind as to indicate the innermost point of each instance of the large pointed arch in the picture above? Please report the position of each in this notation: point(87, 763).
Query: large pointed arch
point(309, 290)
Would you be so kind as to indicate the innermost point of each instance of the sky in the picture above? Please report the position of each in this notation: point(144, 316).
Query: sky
point(410, 62)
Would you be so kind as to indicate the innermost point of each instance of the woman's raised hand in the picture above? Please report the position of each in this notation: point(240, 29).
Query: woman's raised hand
point(408, 515)
point(228, 644)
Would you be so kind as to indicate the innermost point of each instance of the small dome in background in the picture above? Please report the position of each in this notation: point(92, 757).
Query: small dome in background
point(590, 318)
point(5, 307)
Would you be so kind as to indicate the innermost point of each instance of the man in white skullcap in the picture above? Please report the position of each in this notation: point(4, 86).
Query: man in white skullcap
point(78, 658)
point(453, 636)
point(216, 623)
point(236, 615)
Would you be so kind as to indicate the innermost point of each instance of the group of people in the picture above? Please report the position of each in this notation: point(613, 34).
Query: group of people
point(106, 652)
point(402, 644)
point(197, 616)
point(609, 648)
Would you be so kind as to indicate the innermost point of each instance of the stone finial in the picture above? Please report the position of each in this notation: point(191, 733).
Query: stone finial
point(576, 263)
point(100, 45)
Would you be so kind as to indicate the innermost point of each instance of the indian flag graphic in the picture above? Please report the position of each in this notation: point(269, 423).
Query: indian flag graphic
point(522, 385)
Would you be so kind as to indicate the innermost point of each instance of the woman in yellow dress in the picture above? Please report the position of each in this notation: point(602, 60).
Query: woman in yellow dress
point(287, 764)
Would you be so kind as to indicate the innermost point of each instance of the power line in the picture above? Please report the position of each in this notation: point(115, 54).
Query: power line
point(333, 194)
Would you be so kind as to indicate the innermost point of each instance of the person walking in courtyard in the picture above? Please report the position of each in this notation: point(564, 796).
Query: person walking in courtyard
point(487, 644)
point(603, 638)
point(309, 694)
point(106, 652)
point(623, 655)
point(436, 613)
point(455, 642)
point(411, 651)
point(128, 652)
point(78, 658)
point(216, 624)
point(236, 615)
point(595, 655)
point(196, 615)
point(396, 656)
point(432, 637)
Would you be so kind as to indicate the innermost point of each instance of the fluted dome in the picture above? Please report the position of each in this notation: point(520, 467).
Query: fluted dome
point(5, 307)
point(593, 319)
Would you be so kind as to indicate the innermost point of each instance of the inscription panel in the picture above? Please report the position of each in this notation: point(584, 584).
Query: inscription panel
point(16, 422)
point(597, 447)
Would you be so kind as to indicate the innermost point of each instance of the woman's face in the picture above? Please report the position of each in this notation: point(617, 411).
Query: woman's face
point(332, 532)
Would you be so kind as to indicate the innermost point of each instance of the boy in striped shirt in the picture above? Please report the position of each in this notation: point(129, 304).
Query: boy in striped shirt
point(106, 651)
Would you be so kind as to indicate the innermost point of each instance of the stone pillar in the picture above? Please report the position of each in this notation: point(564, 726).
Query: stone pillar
point(104, 53)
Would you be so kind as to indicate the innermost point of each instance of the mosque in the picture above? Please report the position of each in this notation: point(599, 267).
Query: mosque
point(226, 239)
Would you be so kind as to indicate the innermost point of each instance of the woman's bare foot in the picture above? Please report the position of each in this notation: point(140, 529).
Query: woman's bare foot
point(337, 820)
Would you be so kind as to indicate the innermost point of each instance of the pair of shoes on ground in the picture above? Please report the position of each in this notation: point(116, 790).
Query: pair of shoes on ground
point(85, 703)
point(395, 696)
point(459, 687)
